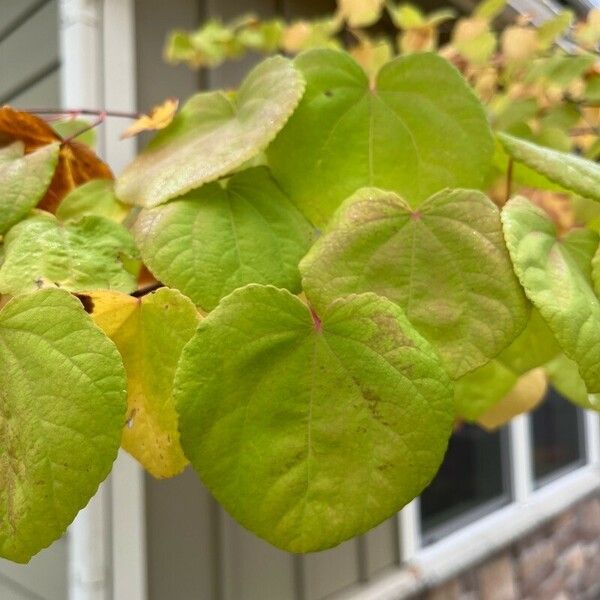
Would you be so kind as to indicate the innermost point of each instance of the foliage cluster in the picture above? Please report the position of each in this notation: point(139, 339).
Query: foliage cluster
point(298, 287)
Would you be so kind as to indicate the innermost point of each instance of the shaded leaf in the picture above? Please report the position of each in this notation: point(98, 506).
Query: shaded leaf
point(150, 333)
point(212, 135)
point(564, 376)
point(96, 197)
point(401, 135)
point(218, 238)
point(310, 430)
point(446, 265)
point(90, 253)
point(62, 408)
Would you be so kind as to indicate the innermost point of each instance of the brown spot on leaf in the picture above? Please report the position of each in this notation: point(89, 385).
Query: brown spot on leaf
point(87, 303)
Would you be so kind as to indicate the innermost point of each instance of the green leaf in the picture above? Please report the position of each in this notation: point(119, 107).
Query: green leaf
point(221, 237)
point(11, 152)
point(96, 197)
point(446, 265)
point(311, 430)
point(24, 181)
point(81, 255)
point(564, 376)
point(72, 127)
point(572, 172)
point(556, 275)
point(400, 134)
point(478, 391)
point(213, 134)
point(150, 334)
point(489, 9)
point(62, 408)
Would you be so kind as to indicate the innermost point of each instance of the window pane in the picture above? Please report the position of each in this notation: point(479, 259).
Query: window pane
point(557, 436)
point(472, 480)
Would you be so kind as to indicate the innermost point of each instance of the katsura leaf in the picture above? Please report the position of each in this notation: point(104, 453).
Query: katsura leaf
point(220, 237)
point(213, 134)
point(400, 133)
point(310, 430)
point(96, 197)
point(574, 173)
point(445, 264)
point(91, 253)
point(24, 180)
point(150, 333)
point(564, 377)
point(556, 275)
point(62, 409)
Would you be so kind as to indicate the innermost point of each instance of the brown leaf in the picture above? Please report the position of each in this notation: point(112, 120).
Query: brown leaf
point(76, 164)
point(158, 118)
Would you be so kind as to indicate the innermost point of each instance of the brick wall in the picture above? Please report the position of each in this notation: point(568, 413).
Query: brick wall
point(558, 561)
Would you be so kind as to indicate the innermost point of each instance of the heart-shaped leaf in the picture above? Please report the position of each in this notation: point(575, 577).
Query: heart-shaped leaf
point(150, 333)
point(418, 129)
point(310, 430)
point(446, 265)
point(90, 253)
point(574, 173)
point(24, 181)
point(213, 134)
point(62, 409)
point(218, 238)
point(556, 275)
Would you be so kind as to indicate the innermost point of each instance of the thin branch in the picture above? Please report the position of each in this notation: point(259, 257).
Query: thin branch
point(97, 122)
point(146, 290)
point(73, 112)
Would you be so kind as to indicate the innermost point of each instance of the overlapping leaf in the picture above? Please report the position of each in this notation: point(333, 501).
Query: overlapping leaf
point(150, 333)
point(96, 197)
point(564, 376)
point(446, 265)
point(570, 171)
point(213, 134)
point(218, 238)
point(24, 180)
point(90, 253)
point(556, 275)
point(400, 133)
point(62, 409)
point(310, 430)
point(77, 163)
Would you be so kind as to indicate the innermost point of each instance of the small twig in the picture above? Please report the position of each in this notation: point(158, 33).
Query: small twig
point(146, 290)
point(73, 112)
point(98, 121)
point(509, 176)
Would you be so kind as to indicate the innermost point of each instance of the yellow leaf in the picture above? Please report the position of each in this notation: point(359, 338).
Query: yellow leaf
point(519, 43)
point(150, 333)
point(158, 118)
point(527, 393)
point(372, 55)
point(360, 13)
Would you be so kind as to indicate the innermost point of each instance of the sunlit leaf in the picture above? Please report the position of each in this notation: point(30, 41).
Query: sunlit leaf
point(158, 118)
point(150, 333)
point(212, 135)
point(445, 264)
point(556, 275)
point(62, 409)
point(526, 394)
point(360, 13)
point(310, 430)
point(218, 238)
point(90, 253)
point(572, 172)
point(401, 135)
point(24, 181)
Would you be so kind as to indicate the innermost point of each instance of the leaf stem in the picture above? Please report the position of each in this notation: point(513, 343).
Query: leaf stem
point(101, 118)
point(146, 290)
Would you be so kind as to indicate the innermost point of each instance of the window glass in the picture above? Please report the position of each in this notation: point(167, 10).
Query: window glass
point(557, 437)
point(472, 481)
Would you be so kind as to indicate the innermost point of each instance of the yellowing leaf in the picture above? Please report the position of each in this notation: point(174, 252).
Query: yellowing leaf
point(525, 396)
point(150, 334)
point(360, 13)
point(158, 118)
